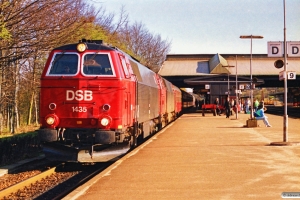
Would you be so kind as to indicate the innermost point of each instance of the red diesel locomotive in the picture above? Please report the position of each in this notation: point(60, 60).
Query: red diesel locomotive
point(96, 103)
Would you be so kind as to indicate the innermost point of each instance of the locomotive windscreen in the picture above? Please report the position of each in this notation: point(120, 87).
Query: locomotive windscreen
point(64, 63)
point(97, 64)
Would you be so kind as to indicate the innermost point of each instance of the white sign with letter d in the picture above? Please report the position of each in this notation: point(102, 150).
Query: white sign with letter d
point(276, 49)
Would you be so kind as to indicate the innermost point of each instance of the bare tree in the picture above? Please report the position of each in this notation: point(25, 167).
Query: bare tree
point(35, 26)
point(150, 49)
point(30, 28)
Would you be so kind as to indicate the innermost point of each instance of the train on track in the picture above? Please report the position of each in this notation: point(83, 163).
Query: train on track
point(97, 103)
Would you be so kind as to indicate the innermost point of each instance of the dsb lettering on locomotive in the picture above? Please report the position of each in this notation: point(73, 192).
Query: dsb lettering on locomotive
point(79, 95)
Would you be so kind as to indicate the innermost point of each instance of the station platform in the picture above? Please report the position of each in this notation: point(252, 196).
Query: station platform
point(209, 157)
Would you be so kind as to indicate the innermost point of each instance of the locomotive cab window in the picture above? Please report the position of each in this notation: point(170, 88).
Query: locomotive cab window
point(97, 64)
point(63, 64)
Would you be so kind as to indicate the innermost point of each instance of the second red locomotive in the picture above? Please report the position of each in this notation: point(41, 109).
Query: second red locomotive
point(97, 102)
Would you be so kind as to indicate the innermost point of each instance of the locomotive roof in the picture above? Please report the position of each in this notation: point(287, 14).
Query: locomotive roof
point(90, 46)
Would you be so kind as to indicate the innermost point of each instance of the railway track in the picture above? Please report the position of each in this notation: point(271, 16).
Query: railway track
point(293, 112)
point(32, 181)
point(53, 183)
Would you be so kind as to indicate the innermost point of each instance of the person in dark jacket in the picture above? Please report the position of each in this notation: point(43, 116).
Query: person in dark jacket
point(227, 107)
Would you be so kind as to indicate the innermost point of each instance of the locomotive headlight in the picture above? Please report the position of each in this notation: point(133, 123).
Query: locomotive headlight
point(104, 121)
point(81, 47)
point(50, 120)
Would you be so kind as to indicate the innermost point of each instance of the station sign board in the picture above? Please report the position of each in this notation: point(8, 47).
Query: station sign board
point(291, 75)
point(282, 75)
point(293, 49)
point(276, 49)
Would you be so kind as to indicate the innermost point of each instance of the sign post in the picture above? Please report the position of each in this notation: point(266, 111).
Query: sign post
point(293, 50)
point(285, 117)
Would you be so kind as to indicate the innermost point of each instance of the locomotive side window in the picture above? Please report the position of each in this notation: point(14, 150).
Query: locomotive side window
point(124, 66)
point(63, 64)
point(97, 64)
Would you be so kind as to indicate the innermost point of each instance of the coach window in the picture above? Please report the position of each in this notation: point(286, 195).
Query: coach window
point(63, 64)
point(97, 64)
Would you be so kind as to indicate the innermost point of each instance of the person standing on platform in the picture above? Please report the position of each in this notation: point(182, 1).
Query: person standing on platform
point(227, 107)
point(197, 104)
point(255, 105)
point(247, 105)
point(232, 106)
point(242, 106)
point(217, 103)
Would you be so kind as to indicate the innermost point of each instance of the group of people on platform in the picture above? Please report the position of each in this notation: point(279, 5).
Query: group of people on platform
point(228, 106)
point(247, 105)
point(237, 106)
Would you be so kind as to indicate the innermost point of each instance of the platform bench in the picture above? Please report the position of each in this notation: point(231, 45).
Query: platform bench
point(209, 107)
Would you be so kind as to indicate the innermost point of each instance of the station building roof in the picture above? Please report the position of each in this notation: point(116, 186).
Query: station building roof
point(205, 64)
point(183, 66)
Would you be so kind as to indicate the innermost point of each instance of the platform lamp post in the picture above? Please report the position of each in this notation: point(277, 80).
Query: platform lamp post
point(251, 81)
point(228, 87)
point(237, 101)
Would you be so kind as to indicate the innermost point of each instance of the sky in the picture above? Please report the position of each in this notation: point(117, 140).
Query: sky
point(213, 26)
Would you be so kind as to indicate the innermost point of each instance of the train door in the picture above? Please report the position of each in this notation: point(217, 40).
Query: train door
point(127, 95)
point(129, 91)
